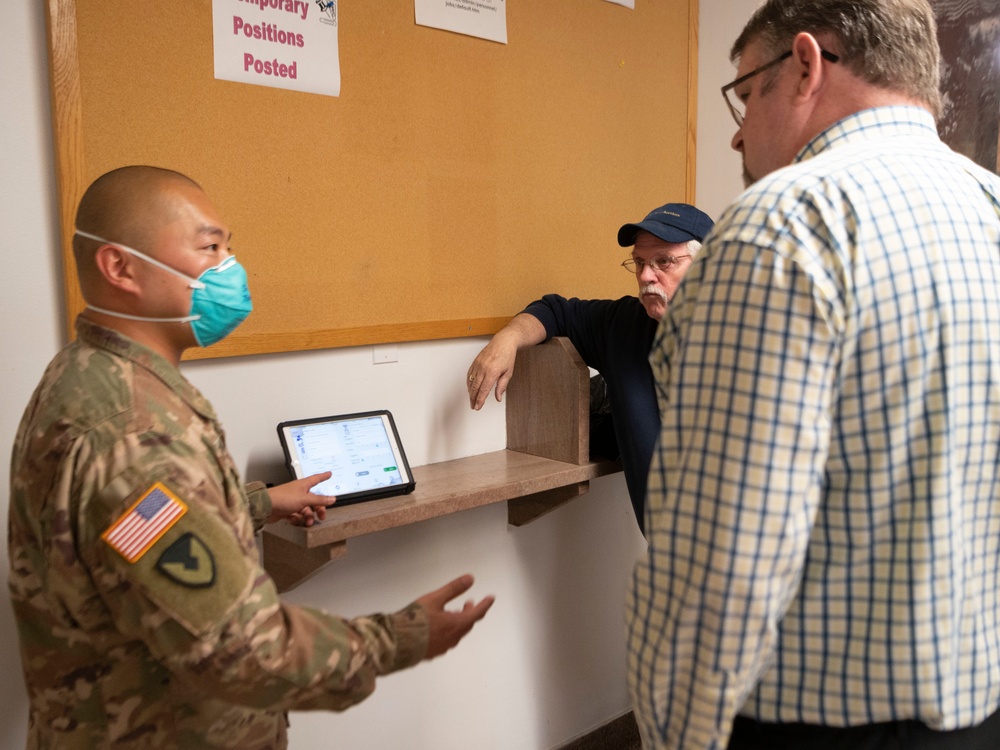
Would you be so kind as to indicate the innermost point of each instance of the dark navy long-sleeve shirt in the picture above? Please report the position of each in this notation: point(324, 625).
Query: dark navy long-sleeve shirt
point(614, 337)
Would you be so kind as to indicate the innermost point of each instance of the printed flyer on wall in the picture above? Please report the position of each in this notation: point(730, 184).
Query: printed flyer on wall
point(287, 44)
point(486, 19)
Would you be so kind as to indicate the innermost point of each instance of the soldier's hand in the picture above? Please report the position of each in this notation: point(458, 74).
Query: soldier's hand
point(446, 628)
point(294, 501)
point(308, 516)
point(493, 366)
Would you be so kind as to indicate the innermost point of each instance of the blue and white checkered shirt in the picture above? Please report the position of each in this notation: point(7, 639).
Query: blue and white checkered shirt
point(824, 503)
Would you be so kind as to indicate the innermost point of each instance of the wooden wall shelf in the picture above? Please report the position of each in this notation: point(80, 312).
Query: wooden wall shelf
point(546, 464)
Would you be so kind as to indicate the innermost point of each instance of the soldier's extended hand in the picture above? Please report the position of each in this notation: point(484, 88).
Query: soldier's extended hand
point(446, 628)
point(294, 501)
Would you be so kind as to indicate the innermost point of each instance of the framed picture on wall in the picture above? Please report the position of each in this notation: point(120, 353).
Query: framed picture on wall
point(969, 35)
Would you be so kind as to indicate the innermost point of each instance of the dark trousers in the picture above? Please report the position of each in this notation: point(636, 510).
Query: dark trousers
point(894, 735)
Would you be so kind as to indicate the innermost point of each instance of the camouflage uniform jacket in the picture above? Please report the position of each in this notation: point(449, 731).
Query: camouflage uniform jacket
point(144, 617)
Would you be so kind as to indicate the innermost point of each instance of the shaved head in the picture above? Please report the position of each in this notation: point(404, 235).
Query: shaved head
point(124, 205)
point(152, 233)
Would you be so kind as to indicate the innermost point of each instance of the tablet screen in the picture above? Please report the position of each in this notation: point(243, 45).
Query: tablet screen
point(362, 451)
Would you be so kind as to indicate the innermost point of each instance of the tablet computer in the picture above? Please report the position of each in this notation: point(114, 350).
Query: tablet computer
point(362, 450)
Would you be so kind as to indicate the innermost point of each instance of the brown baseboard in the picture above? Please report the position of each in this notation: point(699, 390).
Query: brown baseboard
point(618, 734)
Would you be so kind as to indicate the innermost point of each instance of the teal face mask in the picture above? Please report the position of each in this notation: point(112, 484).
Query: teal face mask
point(219, 303)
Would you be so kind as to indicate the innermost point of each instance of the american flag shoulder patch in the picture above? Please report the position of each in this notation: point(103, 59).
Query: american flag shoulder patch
point(146, 521)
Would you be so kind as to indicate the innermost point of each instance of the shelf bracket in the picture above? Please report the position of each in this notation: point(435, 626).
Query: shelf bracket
point(524, 510)
point(289, 564)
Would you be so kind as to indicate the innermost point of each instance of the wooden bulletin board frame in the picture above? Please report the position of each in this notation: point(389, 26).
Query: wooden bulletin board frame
point(453, 181)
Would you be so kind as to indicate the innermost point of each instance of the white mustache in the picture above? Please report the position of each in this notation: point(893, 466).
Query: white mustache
point(650, 289)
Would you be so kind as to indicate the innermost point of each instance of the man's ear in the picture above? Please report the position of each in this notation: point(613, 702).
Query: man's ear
point(807, 56)
point(117, 267)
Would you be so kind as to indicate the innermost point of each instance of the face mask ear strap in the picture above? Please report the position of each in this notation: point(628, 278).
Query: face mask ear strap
point(192, 283)
point(112, 313)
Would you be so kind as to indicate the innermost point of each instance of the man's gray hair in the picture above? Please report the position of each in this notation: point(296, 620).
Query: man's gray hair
point(888, 43)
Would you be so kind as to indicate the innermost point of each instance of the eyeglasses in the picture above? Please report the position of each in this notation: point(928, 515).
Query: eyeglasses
point(661, 264)
point(737, 107)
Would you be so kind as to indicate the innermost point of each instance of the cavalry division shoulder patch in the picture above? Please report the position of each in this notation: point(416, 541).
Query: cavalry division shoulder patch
point(146, 521)
point(188, 562)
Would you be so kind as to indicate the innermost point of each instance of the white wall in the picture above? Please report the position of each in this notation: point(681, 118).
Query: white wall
point(719, 171)
point(547, 664)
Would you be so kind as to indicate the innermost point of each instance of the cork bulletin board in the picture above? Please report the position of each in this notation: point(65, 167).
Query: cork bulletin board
point(452, 181)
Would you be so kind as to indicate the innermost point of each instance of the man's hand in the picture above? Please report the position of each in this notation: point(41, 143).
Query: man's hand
point(446, 628)
point(294, 501)
point(495, 363)
point(493, 366)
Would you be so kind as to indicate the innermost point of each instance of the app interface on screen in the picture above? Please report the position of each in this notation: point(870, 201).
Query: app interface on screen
point(357, 452)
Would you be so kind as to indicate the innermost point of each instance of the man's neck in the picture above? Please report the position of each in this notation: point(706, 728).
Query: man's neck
point(151, 335)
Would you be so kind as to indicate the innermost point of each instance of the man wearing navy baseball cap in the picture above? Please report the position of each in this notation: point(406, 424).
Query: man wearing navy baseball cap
point(612, 336)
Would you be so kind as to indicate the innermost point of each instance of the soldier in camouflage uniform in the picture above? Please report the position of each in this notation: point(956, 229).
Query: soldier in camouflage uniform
point(145, 620)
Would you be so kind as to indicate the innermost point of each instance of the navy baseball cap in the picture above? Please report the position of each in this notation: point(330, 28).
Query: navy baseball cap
point(674, 222)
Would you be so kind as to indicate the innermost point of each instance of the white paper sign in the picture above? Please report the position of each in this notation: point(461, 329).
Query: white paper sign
point(287, 44)
point(486, 19)
point(626, 3)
